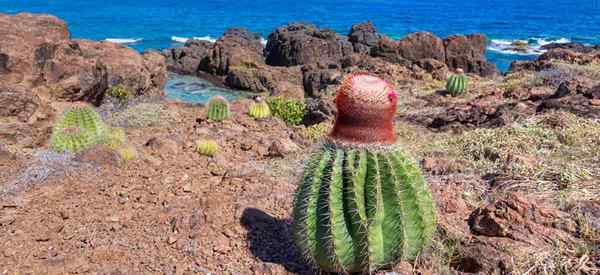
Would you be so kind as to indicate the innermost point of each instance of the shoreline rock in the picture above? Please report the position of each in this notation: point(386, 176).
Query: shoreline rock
point(40, 64)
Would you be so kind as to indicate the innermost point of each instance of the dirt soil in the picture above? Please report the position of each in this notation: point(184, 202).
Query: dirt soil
point(501, 207)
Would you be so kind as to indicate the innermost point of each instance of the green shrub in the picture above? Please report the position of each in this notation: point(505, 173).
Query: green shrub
point(290, 110)
point(119, 92)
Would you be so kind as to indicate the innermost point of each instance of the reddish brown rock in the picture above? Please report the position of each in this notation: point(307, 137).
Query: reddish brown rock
point(517, 218)
point(298, 44)
point(237, 47)
point(363, 37)
point(188, 59)
point(36, 51)
point(468, 53)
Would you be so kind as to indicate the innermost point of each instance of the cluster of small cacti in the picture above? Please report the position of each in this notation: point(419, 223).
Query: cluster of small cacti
point(207, 147)
point(259, 109)
point(218, 108)
point(457, 84)
point(78, 129)
point(362, 203)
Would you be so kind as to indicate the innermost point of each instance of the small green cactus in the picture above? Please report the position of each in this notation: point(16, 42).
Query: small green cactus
point(218, 108)
point(362, 204)
point(259, 109)
point(115, 137)
point(207, 147)
point(127, 153)
point(457, 84)
point(78, 129)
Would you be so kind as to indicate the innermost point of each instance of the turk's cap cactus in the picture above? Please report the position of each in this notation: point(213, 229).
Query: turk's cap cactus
point(366, 107)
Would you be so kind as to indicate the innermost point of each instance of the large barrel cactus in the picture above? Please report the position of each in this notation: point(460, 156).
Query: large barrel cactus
point(457, 84)
point(78, 129)
point(362, 204)
point(218, 108)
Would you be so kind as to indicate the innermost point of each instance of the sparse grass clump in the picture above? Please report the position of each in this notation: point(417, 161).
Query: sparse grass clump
point(557, 147)
point(142, 115)
point(315, 132)
point(291, 111)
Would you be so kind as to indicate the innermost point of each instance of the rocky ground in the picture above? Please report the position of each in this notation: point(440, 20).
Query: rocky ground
point(514, 164)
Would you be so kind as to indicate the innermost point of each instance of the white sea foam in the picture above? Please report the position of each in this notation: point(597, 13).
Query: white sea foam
point(180, 39)
point(531, 46)
point(124, 40)
point(208, 38)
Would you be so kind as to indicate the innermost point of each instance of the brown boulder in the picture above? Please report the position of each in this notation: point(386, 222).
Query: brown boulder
point(188, 59)
point(316, 79)
point(436, 68)
point(298, 44)
point(275, 81)
point(517, 218)
point(468, 53)
point(237, 47)
point(363, 37)
point(413, 47)
point(36, 51)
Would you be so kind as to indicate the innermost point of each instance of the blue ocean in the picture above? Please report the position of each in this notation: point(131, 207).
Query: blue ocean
point(165, 23)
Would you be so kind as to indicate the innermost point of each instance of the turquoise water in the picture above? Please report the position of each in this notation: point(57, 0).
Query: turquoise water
point(195, 90)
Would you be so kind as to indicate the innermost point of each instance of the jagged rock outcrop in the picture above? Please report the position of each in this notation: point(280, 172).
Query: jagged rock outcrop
point(237, 47)
point(36, 51)
point(40, 64)
point(275, 81)
point(412, 48)
point(187, 60)
point(576, 47)
point(468, 53)
point(363, 37)
point(457, 52)
point(298, 44)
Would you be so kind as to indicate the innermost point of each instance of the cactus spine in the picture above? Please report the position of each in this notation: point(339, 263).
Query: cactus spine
point(457, 84)
point(259, 109)
point(362, 203)
point(207, 147)
point(78, 129)
point(218, 108)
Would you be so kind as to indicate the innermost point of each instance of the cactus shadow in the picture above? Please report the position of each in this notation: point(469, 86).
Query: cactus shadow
point(270, 240)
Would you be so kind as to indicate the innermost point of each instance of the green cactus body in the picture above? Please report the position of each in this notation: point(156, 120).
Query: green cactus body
point(218, 108)
point(362, 203)
point(78, 129)
point(457, 84)
point(207, 147)
point(259, 110)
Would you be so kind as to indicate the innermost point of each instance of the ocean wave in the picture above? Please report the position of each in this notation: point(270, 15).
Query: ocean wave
point(124, 40)
point(179, 39)
point(530, 46)
point(208, 38)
